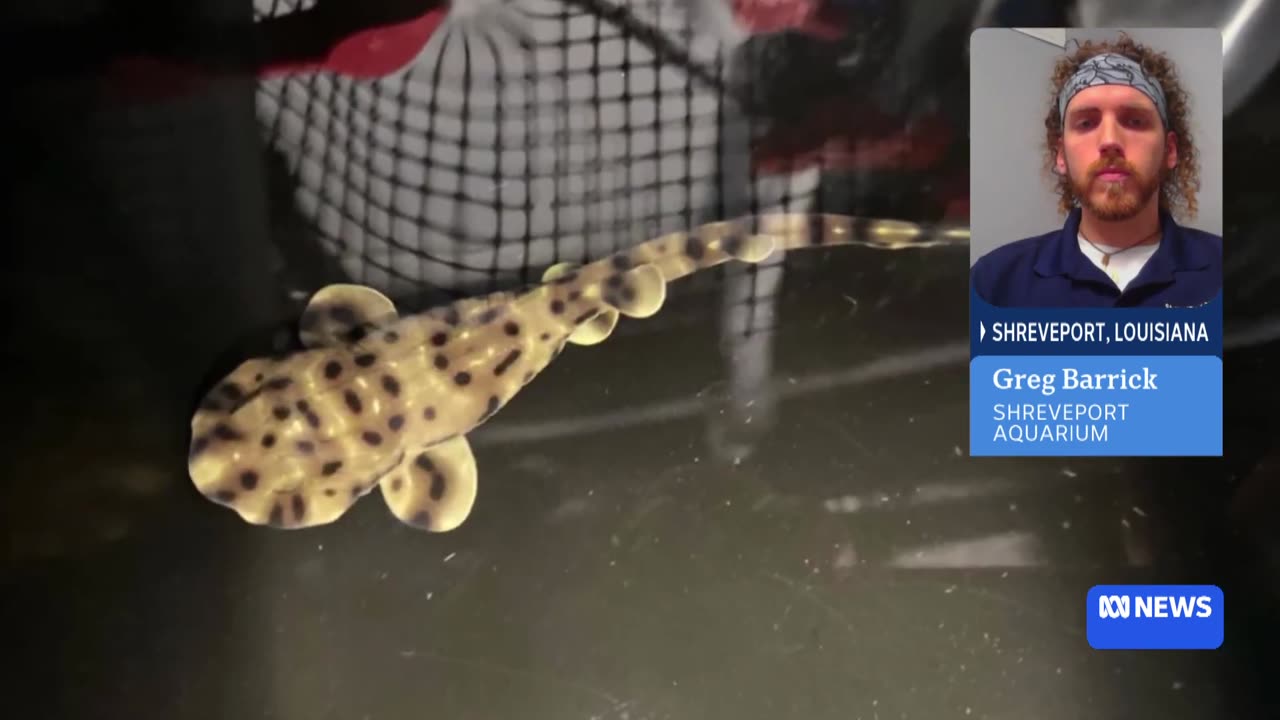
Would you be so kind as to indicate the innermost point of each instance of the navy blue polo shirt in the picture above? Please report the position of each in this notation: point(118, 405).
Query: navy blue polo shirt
point(1049, 270)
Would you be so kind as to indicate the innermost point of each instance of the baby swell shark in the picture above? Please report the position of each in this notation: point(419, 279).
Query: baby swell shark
point(380, 399)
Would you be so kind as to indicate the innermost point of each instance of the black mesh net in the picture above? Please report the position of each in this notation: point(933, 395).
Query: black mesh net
point(529, 133)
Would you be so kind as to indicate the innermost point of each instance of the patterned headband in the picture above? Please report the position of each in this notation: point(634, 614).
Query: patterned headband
point(1112, 69)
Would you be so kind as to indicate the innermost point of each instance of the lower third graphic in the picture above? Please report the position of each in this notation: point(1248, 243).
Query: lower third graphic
point(1155, 617)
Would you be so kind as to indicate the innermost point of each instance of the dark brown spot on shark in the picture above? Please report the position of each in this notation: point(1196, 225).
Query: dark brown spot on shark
point(198, 446)
point(575, 295)
point(357, 334)
point(861, 230)
point(422, 519)
point(397, 483)
point(344, 314)
point(391, 385)
point(557, 306)
point(330, 492)
point(299, 506)
point(225, 432)
point(330, 467)
point(357, 490)
point(429, 413)
point(225, 496)
point(544, 336)
point(451, 317)
point(391, 337)
point(424, 461)
point(494, 403)
point(614, 281)
point(249, 479)
point(332, 369)
point(528, 375)
point(439, 339)
point(506, 362)
point(352, 401)
point(437, 485)
point(366, 360)
point(441, 362)
point(281, 412)
point(566, 278)
point(694, 248)
point(372, 438)
point(279, 383)
point(732, 244)
point(817, 231)
point(313, 420)
point(620, 262)
point(584, 317)
point(248, 398)
point(628, 294)
point(232, 391)
point(511, 328)
point(303, 406)
point(395, 422)
point(306, 447)
point(462, 378)
point(268, 440)
point(277, 516)
point(487, 316)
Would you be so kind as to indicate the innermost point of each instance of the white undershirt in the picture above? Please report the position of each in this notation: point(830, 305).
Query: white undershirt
point(1124, 267)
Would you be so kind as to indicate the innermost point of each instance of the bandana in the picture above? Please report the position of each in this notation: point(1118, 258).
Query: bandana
point(1112, 69)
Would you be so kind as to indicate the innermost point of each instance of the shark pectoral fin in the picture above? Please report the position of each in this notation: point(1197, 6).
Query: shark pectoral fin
point(341, 313)
point(597, 329)
point(434, 488)
point(639, 293)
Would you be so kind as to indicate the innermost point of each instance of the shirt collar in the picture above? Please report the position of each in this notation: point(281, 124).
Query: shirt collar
point(1062, 255)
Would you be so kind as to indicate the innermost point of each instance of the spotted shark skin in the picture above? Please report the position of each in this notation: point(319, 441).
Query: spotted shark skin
point(379, 399)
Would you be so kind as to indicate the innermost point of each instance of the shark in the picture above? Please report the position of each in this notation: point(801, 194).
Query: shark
point(379, 399)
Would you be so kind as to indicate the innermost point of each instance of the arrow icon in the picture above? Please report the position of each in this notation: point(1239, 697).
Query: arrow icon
point(982, 331)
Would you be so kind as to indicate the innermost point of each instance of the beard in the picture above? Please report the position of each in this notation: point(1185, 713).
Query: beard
point(1113, 201)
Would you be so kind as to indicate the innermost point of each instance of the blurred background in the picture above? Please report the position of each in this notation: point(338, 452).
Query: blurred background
point(755, 504)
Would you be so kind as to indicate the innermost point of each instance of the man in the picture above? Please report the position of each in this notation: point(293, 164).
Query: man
point(1117, 138)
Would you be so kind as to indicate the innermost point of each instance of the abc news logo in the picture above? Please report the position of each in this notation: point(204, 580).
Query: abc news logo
point(1123, 607)
point(1155, 617)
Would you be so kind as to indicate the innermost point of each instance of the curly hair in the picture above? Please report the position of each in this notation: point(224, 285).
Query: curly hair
point(1178, 187)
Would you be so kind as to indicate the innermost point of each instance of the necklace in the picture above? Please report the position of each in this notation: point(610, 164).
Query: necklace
point(1106, 256)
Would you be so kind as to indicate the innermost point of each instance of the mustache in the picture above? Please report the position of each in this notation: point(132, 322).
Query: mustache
point(1101, 166)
